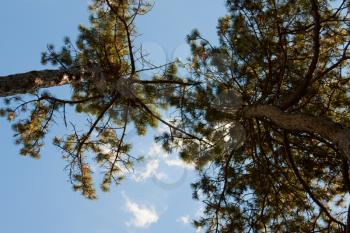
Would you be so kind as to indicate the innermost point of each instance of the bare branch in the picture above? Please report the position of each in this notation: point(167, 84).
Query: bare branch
point(29, 82)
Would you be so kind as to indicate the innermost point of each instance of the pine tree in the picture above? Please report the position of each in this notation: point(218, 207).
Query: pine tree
point(263, 115)
point(273, 112)
point(102, 70)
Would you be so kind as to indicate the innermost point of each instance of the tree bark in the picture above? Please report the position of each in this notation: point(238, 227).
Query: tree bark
point(326, 128)
point(28, 82)
point(31, 81)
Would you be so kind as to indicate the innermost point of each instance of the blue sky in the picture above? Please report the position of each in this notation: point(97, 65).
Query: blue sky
point(35, 196)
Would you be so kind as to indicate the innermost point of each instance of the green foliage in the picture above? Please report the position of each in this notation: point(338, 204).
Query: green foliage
point(251, 181)
point(104, 91)
point(255, 176)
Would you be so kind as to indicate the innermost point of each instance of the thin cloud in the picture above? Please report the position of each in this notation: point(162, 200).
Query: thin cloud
point(156, 151)
point(162, 129)
point(179, 163)
point(142, 216)
point(184, 219)
point(151, 170)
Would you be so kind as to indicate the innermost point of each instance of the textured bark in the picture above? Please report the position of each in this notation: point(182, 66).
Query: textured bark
point(326, 128)
point(31, 81)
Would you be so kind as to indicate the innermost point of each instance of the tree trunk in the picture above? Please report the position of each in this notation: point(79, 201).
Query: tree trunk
point(326, 128)
point(339, 135)
point(31, 81)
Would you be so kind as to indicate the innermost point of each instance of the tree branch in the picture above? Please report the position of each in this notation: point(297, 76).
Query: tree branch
point(28, 82)
point(303, 182)
point(301, 122)
point(300, 91)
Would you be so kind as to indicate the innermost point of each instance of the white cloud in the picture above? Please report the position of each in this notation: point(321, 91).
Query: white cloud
point(142, 216)
point(156, 151)
point(151, 170)
point(179, 163)
point(162, 129)
point(184, 219)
